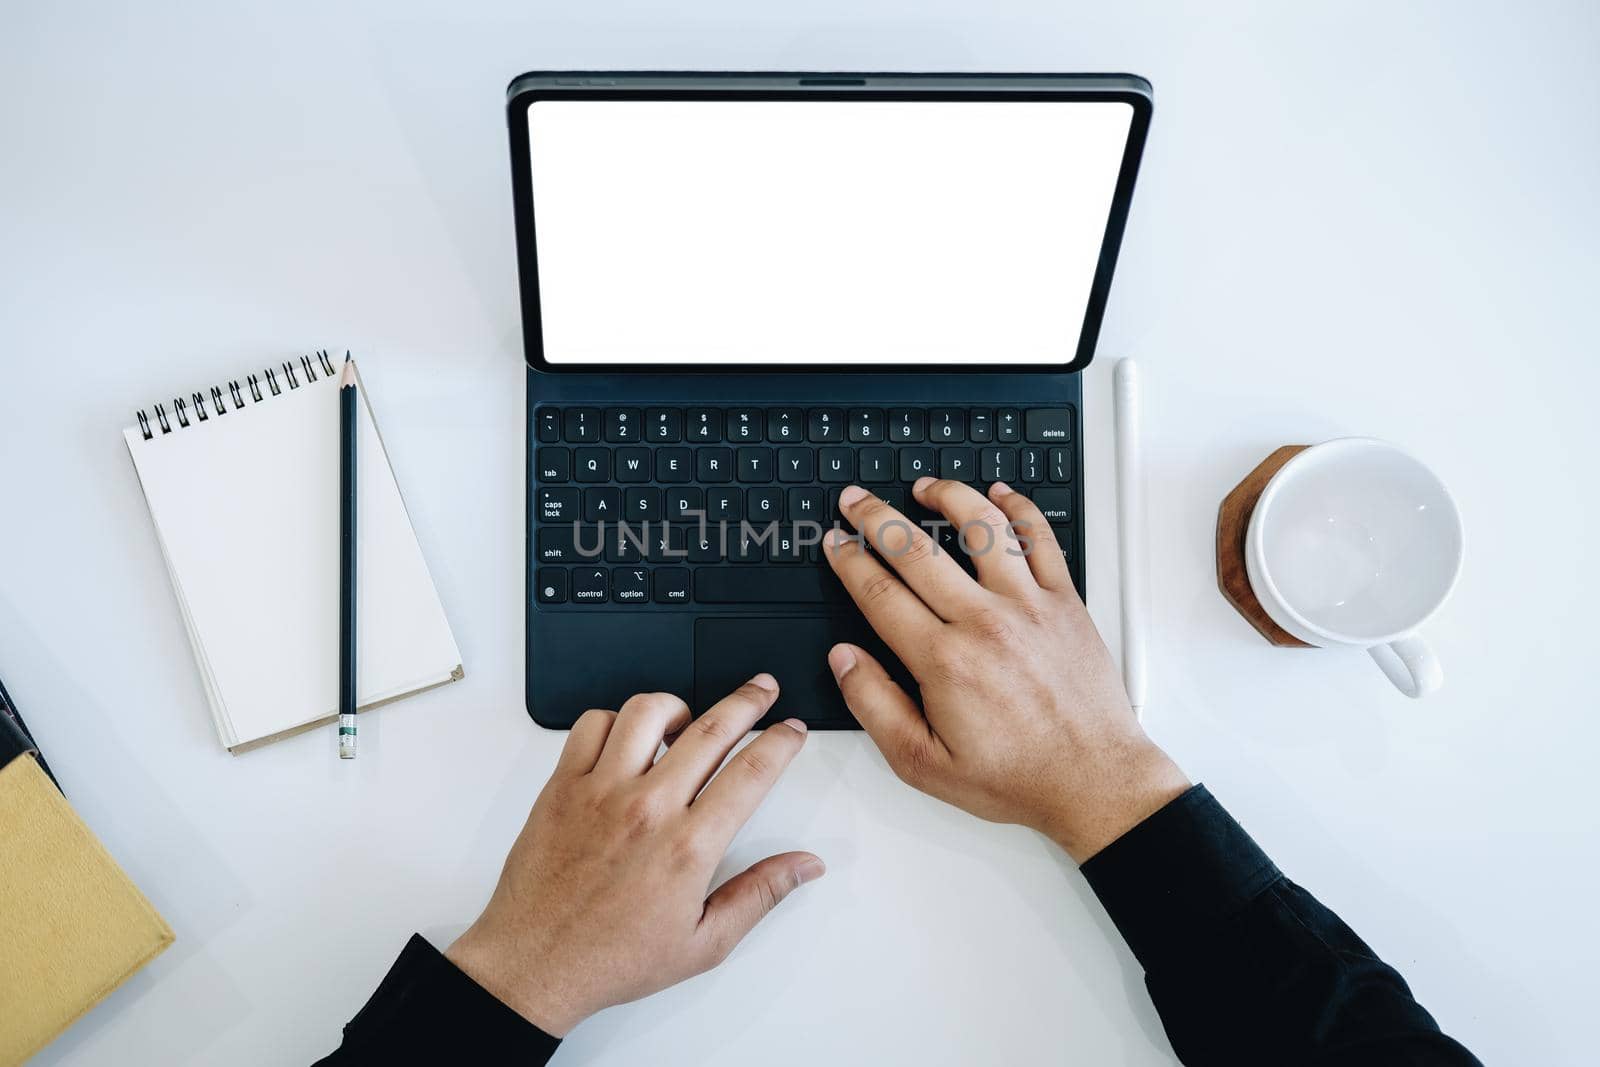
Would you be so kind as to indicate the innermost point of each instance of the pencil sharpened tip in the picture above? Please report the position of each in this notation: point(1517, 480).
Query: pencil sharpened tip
point(347, 377)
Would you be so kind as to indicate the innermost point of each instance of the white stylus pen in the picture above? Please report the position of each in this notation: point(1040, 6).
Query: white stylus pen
point(1130, 529)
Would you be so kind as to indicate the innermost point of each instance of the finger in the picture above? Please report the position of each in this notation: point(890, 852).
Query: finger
point(984, 530)
point(642, 723)
point(929, 570)
point(896, 614)
point(585, 741)
point(1043, 551)
point(706, 741)
point(888, 715)
point(748, 897)
point(729, 799)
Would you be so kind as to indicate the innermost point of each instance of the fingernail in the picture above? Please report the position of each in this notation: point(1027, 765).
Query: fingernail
point(809, 870)
point(837, 538)
point(922, 483)
point(852, 495)
point(841, 658)
point(796, 725)
point(1000, 489)
point(765, 681)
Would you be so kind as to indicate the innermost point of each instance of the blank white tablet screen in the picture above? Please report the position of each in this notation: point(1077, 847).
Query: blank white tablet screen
point(829, 232)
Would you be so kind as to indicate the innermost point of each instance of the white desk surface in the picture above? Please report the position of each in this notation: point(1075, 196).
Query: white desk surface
point(1356, 218)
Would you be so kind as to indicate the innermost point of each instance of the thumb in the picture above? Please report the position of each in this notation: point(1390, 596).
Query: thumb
point(883, 709)
point(746, 898)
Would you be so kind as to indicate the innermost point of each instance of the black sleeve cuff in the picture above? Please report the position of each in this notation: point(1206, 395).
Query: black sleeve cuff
point(429, 1010)
point(1183, 870)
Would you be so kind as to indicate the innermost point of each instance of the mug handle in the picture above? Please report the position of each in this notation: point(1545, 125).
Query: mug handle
point(1410, 665)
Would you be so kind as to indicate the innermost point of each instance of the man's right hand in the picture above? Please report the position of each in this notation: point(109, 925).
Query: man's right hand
point(1023, 719)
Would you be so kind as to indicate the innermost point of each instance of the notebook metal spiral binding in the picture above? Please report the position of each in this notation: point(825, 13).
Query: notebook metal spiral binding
point(215, 399)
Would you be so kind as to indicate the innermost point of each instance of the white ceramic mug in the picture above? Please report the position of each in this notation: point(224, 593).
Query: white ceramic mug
point(1355, 544)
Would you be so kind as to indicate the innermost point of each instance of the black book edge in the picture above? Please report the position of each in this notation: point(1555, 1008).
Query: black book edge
point(14, 737)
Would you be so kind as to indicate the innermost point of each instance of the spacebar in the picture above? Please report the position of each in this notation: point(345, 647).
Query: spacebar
point(799, 584)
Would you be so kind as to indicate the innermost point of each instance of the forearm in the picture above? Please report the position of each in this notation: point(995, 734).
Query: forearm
point(428, 1011)
point(1244, 966)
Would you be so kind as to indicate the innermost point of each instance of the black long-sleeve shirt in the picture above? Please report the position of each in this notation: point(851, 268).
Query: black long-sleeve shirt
point(1244, 966)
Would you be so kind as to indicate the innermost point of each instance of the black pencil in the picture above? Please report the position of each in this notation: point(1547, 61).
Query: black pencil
point(347, 560)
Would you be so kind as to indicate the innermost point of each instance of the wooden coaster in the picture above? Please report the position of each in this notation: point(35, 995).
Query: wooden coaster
point(1233, 521)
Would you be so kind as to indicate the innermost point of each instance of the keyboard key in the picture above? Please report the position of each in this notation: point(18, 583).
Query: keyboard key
point(1031, 461)
point(580, 425)
point(724, 505)
point(555, 545)
point(917, 463)
point(702, 425)
point(905, 426)
point(755, 464)
point(797, 465)
point(957, 464)
point(556, 505)
point(763, 505)
point(593, 464)
point(866, 425)
point(1064, 540)
point(705, 546)
point(809, 503)
point(663, 426)
point(626, 542)
point(947, 425)
point(630, 586)
point(825, 425)
point(1008, 426)
point(602, 504)
point(555, 464)
point(1058, 464)
point(766, 585)
point(1055, 503)
point(668, 544)
point(550, 430)
point(895, 496)
point(877, 465)
point(997, 464)
point(980, 427)
point(671, 585)
point(679, 502)
point(837, 464)
point(622, 425)
point(784, 425)
point(633, 464)
point(745, 543)
point(1049, 424)
point(674, 465)
point(785, 546)
point(642, 505)
point(550, 585)
point(744, 425)
point(589, 585)
point(713, 464)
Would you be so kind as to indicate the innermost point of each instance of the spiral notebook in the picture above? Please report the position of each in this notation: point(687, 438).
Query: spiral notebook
point(242, 481)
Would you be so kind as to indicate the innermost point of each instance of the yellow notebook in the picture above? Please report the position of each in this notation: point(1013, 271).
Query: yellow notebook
point(72, 926)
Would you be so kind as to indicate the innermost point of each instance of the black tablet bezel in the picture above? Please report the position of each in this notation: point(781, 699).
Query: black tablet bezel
point(601, 85)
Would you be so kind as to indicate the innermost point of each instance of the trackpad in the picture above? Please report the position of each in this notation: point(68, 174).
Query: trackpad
point(727, 651)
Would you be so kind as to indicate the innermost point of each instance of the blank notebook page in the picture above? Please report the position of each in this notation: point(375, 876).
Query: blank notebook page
point(246, 506)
